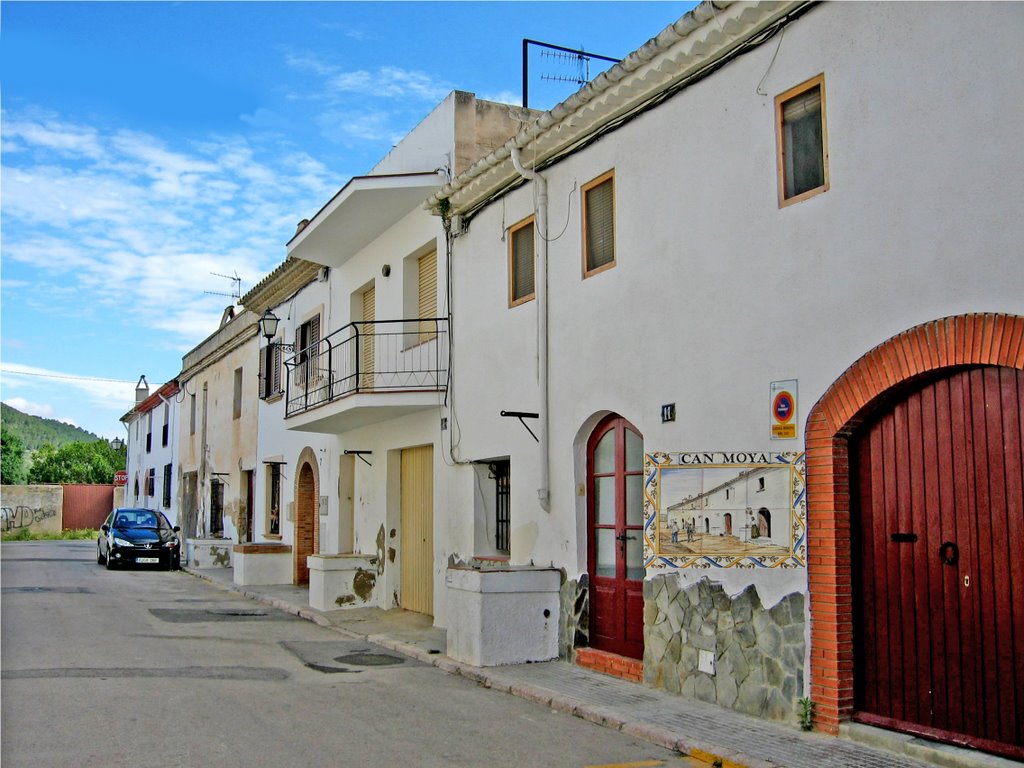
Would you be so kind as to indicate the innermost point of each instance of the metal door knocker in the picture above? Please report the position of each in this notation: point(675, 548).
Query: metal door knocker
point(949, 553)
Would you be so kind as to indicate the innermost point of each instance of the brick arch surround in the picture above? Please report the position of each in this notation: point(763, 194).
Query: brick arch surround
point(307, 515)
point(974, 339)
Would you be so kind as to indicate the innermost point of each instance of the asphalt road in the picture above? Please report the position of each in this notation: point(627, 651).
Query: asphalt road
point(150, 668)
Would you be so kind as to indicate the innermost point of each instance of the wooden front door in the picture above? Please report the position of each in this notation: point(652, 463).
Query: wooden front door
point(417, 521)
point(615, 545)
point(307, 523)
point(939, 562)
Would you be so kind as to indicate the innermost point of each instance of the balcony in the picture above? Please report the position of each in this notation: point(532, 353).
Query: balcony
point(366, 372)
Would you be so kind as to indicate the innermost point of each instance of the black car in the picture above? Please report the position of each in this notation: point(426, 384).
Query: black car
point(138, 537)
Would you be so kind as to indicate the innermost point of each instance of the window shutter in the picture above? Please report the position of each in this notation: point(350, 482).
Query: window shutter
point(367, 331)
point(428, 296)
point(522, 262)
point(265, 354)
point(275, 370)
point(600, 215)
point(314, 330)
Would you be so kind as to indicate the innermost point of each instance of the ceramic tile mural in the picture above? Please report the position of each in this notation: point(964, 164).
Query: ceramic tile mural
point(722, 509)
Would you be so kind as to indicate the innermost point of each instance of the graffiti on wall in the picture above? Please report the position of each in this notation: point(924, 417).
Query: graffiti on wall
point(21, 516)
point(721, 509)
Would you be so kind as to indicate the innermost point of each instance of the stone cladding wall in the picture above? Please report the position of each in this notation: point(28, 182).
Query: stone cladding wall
point(759, 652)
point(575, 612)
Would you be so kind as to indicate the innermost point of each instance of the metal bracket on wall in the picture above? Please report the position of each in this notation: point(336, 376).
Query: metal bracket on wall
point(359, 455)
point(523, 415)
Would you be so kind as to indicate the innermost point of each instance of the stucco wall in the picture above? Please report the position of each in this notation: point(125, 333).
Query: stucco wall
point(717, 291)
point(33, 507)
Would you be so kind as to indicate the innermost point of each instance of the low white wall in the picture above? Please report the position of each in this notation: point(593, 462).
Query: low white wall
point(342, 581)
point(262, 564)
point(208, 553)
point(502, 615)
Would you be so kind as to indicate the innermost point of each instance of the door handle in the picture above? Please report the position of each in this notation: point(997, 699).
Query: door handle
point(622, 537)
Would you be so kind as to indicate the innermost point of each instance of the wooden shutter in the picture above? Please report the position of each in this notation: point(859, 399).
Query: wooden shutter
point(367, 331)
point(427, 296)
point(521, 263)
point(599, 223)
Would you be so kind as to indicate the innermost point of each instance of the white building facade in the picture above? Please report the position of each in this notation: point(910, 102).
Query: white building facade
point(152, 450)
point(355, 438)
point(764, 193)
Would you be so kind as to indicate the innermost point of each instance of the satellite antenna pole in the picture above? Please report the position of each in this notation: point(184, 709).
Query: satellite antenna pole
point(236, 286)
point(580, 55)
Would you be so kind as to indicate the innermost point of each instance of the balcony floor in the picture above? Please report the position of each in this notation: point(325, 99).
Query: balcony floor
point(360, 410)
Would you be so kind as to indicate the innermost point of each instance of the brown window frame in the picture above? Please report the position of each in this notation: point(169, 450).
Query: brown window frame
point(607, 176)
point(519, 225)
point(817, 81)
point(236, 398)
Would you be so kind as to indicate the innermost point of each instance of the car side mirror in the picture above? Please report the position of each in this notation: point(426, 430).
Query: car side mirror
point(105, 528)
point(176, 529)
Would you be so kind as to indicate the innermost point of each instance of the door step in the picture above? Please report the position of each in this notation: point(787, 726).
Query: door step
point(610, 664)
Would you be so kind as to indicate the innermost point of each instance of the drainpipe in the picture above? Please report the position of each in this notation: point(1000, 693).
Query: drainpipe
point(541, 288)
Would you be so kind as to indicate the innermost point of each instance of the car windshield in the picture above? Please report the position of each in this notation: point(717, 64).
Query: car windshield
point(137, 520)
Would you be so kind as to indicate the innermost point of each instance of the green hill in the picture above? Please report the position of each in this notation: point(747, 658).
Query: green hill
point(36, 431)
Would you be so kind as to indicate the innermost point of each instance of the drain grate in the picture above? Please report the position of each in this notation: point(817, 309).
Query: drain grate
point(369, 660)
point(345, 656)
point(196, 615)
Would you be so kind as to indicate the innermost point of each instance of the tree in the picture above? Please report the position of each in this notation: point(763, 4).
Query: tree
point(12, 466)
point(76, 462)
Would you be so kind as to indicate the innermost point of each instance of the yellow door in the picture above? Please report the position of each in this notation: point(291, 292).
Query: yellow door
point(417, 540)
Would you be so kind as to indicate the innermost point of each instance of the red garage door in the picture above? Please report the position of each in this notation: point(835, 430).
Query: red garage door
point(939, 562)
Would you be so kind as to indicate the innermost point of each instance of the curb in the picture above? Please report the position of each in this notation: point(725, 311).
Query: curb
point(593, 713)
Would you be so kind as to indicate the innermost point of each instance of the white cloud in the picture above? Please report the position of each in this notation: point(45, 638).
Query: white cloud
point(390, 83)
point(42, 130)
point(104, 394)
point(124, 219)
point(503, 97)
point(27, 406)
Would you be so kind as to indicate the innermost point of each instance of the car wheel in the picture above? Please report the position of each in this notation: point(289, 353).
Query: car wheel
point(110, 562)
point(100, 559)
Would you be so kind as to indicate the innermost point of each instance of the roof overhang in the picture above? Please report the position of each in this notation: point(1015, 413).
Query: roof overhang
point(361, 212)
point(680, 54)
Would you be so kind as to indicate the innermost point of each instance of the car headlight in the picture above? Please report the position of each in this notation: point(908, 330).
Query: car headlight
point(122, 542)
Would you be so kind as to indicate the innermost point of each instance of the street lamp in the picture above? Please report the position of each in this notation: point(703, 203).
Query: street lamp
point(117, 444)
point(268, 328)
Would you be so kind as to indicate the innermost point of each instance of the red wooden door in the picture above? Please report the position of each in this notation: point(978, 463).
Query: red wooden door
point(939, 562)
point(615, 457)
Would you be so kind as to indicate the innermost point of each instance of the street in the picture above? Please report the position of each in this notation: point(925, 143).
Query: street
point(154, 668)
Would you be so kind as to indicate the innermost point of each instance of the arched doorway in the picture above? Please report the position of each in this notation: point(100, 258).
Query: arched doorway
point(615, 458)
point(914, 479)
point(764, 522)
point(728, 523)
point(307, 521)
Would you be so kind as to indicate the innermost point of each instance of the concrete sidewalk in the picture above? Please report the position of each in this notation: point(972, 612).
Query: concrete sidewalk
point(710, 733)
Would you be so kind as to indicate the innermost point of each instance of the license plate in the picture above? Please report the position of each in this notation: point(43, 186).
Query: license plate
point(147, 559)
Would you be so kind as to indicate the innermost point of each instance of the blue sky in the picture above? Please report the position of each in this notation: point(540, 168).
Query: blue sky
point(148, 145)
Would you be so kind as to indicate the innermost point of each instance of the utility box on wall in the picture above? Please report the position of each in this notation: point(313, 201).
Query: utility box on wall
point(502, 615)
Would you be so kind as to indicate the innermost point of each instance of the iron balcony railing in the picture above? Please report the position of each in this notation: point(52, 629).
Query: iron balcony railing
point(376, 356)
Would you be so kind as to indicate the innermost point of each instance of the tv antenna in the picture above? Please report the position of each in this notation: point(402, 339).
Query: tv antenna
point(576, 56)
point(236, 286)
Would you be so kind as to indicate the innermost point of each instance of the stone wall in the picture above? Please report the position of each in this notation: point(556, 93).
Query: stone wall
point(37, 508)
point(575, 612)
point(759, 653)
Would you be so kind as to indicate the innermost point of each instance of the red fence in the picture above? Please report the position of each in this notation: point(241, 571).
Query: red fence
point(87, 506)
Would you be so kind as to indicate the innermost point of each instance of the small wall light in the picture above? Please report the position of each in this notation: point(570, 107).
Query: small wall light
point(386, 270)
